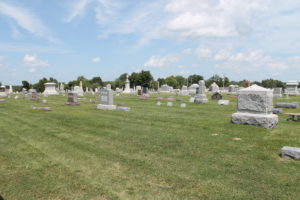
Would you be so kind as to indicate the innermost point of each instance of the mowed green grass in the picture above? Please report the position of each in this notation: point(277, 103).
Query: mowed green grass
point(150, 152)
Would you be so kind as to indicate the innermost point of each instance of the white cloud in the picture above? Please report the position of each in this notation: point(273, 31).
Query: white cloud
point(77, 9)
point(184, 72)
point(34, 62)
point(203, 52)
point(179, 19)
point(221, 55)
point(25, 19)
point(162, 61)
point(2, 58)
point(96, 60)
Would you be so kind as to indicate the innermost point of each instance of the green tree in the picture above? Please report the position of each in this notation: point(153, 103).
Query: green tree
point(194, 79)
point(172, 81)
point(270, 83)
point(145, 77)
point(26, 85)
point(181, 81)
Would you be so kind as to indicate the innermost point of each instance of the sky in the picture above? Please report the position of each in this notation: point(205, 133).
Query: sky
point(64, 39)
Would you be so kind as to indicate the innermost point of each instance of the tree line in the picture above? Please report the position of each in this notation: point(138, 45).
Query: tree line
point(145, 79)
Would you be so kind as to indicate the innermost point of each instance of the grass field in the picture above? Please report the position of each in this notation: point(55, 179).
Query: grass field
point(150, 152)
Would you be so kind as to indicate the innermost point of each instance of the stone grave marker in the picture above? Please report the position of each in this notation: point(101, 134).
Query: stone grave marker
point(106, 100)
point(72, 99)
point(255, 107)
point(216, 96)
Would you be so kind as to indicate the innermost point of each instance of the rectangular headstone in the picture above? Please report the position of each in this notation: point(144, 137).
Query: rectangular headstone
point(292, 152)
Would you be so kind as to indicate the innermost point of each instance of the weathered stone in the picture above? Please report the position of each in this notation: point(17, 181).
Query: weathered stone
point(50, 89)
point(287, 105)
point(201, 96)
point(122, 108)
point(277, 92)
point(277, 111)
point(223, 102)
point(292, 152)
point(183, 105)
point(72, 99)
point(216, 96)
point(106, 100)
point(292, 88)
point(41, 108)
point(255, 107)
point(170, 104)
point(266, 121)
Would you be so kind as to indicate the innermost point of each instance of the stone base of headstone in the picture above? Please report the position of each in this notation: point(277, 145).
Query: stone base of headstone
point(223, 102)
point(291, 152)
point(106, 107)
point(2, 100)
point(277, 111)
point(73, 103)
point(265, 121)
point(287, 105)
point(183, 105)
point(200, 99)
point(122, 108)
point(169, 104)
point(41, 108)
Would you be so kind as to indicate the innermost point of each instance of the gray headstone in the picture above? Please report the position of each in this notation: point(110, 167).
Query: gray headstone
point(255, 107)
point(292, 152)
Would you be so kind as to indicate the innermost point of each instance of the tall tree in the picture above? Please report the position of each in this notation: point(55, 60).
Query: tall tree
point(194, 79)
point(26, 85)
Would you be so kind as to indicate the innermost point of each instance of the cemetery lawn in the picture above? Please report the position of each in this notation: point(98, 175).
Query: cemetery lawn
point(150, 152)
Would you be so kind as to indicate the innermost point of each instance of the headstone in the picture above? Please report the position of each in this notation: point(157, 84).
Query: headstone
point(165, 89)
point(170, 104)
point(50, 89)
point(143, 97)
point(72, 99)
point(214, 88)
point(16, 97)
point(255, 107)
point(291, 152)
point(192, 100)
point(292, 88)
point(171, 98)
point(183, 105)
point(277, 92)
point(277, 111)
point(193, 89)
point(223, 102)
point(201, 96)
point(2, 91)
point(293, 105)
point(233, 89)
point(122, 108)
point(139, 92)
point(184, 91)
point(34, 95)
point(108, 86)
point(106, 100)
point(145, 90)
point(159, 98)
point(10, 91)
point(2, 100)
point(216, 96)
point(158, 103)
point(41, 108)
point(44, 101)
point(127, 86)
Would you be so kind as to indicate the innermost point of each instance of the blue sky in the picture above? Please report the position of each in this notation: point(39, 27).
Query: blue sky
point(243, 39)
